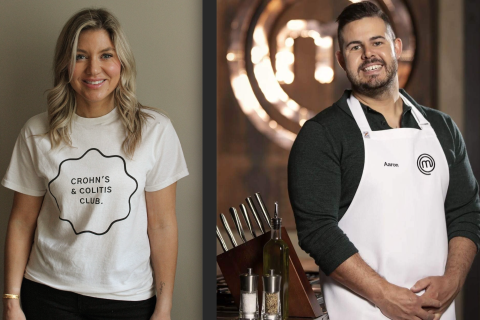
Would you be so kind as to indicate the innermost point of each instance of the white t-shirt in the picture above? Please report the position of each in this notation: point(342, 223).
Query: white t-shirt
point(91, 235)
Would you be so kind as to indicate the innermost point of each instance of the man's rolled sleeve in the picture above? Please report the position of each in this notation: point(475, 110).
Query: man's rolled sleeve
point(462, 203)
point(314, 186)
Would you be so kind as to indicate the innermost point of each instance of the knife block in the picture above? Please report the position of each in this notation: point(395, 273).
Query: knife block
point(301, 300)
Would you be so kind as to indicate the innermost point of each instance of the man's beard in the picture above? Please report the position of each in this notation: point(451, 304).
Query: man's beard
point(373, 87)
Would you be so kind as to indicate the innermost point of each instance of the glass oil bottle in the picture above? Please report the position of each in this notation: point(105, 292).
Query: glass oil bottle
point(276, 257)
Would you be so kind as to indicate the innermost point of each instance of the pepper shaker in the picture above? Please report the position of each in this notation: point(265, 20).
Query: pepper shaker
point(249, 296)
point(271, 308)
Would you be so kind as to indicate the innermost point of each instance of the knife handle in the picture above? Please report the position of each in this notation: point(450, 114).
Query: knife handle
point(247, 219)
point(266, 215)
point(238, 223)
point(255, 214)
point(222, 242)
point(227, 228)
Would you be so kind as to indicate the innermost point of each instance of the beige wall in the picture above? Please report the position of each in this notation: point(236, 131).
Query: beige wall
point(166, 40)
point(450, 59)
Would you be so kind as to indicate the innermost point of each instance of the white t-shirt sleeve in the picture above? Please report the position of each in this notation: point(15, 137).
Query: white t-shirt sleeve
point(21, 174)
point(170, 165)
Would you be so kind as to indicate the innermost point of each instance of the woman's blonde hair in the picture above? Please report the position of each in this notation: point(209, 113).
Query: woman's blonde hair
point(61, 98)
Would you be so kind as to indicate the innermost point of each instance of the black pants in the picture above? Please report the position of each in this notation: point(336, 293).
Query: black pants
point(40, 302)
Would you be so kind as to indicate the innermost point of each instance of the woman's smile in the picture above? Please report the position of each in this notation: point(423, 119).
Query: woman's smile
point(94, 84)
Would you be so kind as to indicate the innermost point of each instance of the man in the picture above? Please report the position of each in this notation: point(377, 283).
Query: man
point(384, 197)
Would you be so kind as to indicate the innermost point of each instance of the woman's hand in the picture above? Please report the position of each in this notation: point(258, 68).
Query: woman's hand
point(12, 310)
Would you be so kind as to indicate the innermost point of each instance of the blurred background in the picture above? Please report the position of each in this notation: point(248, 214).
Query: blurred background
point(168, 54)
point(276, 69)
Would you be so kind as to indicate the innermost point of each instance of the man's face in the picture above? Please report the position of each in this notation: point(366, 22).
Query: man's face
point(369, 55)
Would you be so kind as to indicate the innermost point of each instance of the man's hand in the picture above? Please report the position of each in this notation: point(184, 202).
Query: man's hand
point(444, 289)
point(395, 302)
point(461, 252)
point(399, 303)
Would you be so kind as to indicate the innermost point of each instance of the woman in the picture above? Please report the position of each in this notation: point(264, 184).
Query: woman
point(92, 232)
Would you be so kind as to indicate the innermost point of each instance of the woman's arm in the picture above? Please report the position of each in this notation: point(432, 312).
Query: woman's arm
point(163, 236)
point(20, 232)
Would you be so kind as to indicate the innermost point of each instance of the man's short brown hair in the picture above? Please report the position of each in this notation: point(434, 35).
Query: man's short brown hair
point(357, 11)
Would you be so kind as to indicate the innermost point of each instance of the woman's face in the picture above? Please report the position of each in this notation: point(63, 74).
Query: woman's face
point(97, 70)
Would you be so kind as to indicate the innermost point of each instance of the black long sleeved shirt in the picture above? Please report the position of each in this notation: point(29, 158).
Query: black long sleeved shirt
point(326, 164)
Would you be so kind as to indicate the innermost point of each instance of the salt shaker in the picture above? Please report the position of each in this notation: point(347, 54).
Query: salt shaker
point(249, 296)
point(271, 308)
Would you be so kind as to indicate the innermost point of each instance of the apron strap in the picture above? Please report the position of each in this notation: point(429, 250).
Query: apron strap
point(422, 122)
point(359, 115)
point(362, 122)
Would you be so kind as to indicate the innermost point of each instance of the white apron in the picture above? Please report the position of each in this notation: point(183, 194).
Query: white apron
point(397, 217)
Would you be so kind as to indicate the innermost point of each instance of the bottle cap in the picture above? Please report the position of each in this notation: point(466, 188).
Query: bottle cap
point(248, 281)
point(271, 282)
point(276, 220)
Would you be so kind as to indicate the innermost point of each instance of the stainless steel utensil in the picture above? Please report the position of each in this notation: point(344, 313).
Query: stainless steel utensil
point(255, 215)
point(222, 242)
point(227, 228)
point(238, 223)
point(266, 215)
point(247, 219)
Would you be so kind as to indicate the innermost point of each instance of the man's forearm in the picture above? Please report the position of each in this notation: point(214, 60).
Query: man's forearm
point(358, 276)
point(461, 252)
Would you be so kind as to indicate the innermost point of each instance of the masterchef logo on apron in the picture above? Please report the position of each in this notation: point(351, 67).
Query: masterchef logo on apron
point(425, 164)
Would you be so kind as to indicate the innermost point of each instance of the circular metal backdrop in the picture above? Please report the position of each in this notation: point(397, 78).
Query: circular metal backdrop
point(258, 77)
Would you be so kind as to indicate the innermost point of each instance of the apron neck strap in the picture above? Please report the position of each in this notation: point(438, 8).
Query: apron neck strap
point(362, 121)
point(358, 114)
point(416, 113)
